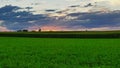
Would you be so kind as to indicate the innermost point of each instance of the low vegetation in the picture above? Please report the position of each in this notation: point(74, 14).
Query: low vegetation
point(59, 53)
point(64, 34)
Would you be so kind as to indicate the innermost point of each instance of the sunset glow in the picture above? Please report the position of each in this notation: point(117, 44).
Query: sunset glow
point(59, 15)
point(52, 28)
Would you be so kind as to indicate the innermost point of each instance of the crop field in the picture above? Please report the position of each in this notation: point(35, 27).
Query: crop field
point(20, 52)
point(64, 34)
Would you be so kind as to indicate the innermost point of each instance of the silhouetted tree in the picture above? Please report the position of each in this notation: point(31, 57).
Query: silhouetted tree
point(39, 30)
point(25, 30)
point(19, 30)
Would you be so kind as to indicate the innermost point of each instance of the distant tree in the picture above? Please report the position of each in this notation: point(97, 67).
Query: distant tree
point(33, 31)
point(25, 30)
point(22, 30)
point(39, 30)
point(19, 30)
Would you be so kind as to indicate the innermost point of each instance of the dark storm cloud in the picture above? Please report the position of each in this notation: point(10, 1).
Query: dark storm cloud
point(14, 19)
point(96, 19)
point(8, 9)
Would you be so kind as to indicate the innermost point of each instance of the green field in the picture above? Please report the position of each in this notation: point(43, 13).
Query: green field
point(59, 53)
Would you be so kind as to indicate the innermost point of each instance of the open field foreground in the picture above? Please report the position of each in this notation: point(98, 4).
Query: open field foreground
point(59, 53)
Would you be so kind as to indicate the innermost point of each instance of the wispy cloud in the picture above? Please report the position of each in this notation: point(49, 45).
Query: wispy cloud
point(89, 5)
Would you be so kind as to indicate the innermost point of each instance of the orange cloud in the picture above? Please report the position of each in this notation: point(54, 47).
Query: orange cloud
point(4, 29)
point(47, 28)
point(52, 28)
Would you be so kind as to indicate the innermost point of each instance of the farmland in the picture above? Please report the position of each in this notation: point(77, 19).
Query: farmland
point(23, 52)
point(64, 34)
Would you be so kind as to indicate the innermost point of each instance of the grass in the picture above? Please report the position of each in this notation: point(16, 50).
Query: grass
point(59, 53)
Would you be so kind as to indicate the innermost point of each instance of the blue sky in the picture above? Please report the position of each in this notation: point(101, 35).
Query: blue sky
point(59, 14)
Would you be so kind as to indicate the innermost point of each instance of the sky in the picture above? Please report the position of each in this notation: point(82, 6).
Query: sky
point(59, 15)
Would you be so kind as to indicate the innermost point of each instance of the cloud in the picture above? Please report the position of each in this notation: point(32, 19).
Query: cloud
point(8, 9)
point(74, 6)
point(52, 28)
point(4, 29)
point(95, 19)
point(104, 29)
point(89, 20)
point(28, 8)
point(36, 3)
point(12, 19)
point(71, 0)
point(50, 10)
point(88, 5)
point(47, 28)
point(1, 21)
point(111, 4)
